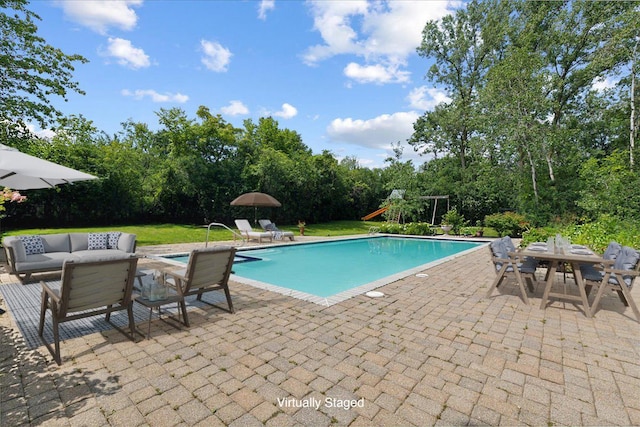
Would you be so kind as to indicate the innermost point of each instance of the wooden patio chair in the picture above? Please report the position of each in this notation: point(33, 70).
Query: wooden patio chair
point(504, 257)
point(208, 270)
point(88, 288)
point(619, 277)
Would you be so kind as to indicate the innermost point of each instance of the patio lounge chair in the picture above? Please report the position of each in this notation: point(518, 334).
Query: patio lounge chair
point(249, 234)
point(88, 288)
point(620, 277)
point(208, 270)
point(278, 234)
point(504, 257)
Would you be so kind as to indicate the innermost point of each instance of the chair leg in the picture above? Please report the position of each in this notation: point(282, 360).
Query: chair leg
point(132, 324)
point(601, 287)
point(185, 317)
point(228, 294)
point(498, 279)
point(56, 339)
point(622, 297)
point(625, 290)
point(43, 312)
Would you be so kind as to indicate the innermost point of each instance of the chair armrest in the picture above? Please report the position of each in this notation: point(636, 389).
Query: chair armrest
point(55, 296)
point(11, 258)
point(623, 272)
point(178, 278)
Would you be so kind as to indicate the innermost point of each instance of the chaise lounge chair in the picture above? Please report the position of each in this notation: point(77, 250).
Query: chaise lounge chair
point(249, 234)
point(278, 234)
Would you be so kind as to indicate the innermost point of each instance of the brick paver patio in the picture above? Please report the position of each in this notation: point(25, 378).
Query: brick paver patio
point(433, 351)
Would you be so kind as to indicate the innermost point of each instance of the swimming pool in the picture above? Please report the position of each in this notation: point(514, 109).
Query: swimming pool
point(330, 272)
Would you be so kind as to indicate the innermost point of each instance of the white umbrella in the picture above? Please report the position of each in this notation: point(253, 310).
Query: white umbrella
point(20, 171)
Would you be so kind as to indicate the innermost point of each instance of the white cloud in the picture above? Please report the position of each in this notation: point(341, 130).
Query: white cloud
point(155, 96)
point(426, 98)
point(216, 57)
point(288, 111)
point(126, 53)
point(599, 84)
point(99, 15)
point(40, 133)
point(235, 108)
point(375, 73)
point(379, 132)
point(264, 7)
point(379, 31)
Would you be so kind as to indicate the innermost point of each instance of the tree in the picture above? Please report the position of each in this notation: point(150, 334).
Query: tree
point(32, 70)
point(462, 58)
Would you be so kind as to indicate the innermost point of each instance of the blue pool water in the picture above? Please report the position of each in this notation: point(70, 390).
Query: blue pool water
point(329, 268)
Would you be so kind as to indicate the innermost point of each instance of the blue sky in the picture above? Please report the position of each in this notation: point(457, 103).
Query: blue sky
point(345, 75)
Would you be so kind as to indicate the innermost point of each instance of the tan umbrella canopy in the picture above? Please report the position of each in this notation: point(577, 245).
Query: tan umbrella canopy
point(256, 200)
point(20, 171)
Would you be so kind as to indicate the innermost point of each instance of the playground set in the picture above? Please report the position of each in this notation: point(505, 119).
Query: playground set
point(395, 211)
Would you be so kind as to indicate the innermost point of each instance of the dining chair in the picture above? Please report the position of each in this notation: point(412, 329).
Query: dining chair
point(504, 257)
point(620, 277)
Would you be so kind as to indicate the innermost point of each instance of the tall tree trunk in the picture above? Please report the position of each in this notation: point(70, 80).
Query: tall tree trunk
point(534, 177)
point(633, 126)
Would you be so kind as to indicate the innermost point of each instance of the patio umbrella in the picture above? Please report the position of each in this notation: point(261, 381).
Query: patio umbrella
point(20, 171)
point(256, 200)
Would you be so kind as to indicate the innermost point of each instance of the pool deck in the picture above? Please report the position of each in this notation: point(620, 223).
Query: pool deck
point(432, 351)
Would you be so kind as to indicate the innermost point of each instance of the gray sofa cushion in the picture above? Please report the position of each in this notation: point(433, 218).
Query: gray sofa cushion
point(79, 241)
point(56, 243)
point(127, 242)
point(51, 261)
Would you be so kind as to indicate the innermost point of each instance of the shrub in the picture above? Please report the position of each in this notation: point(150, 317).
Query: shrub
point(454, 219)
point(596, 234)
point(507, 223)
point(411, 228)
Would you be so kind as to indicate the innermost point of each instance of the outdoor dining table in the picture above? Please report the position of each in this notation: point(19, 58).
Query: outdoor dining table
point(556, 257)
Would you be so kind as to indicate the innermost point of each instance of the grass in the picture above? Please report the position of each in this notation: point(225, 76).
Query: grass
point(160, 234)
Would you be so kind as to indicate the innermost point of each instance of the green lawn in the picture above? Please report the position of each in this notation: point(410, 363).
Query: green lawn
point(159, 234)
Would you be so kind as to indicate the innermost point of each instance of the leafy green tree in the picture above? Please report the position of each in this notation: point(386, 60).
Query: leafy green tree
point(32, 70)
point(461, 58)
point(610, 187)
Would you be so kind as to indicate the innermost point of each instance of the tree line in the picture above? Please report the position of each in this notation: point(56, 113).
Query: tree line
point(541, 120)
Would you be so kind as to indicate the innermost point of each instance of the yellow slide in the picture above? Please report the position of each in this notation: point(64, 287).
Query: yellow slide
point(374, 214)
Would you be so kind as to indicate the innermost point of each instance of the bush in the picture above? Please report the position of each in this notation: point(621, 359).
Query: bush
point(596, 234)
point(454, 219)
point(507, 224)
point(411, 228)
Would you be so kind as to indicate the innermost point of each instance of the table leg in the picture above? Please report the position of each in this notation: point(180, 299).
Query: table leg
point(149, 323)
point(551, 277)
point(577, 275)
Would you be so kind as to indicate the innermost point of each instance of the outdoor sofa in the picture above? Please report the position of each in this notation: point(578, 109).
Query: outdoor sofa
point(45, 253)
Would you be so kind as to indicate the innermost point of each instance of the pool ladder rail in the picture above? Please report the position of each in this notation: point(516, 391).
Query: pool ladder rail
point(219, 224)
